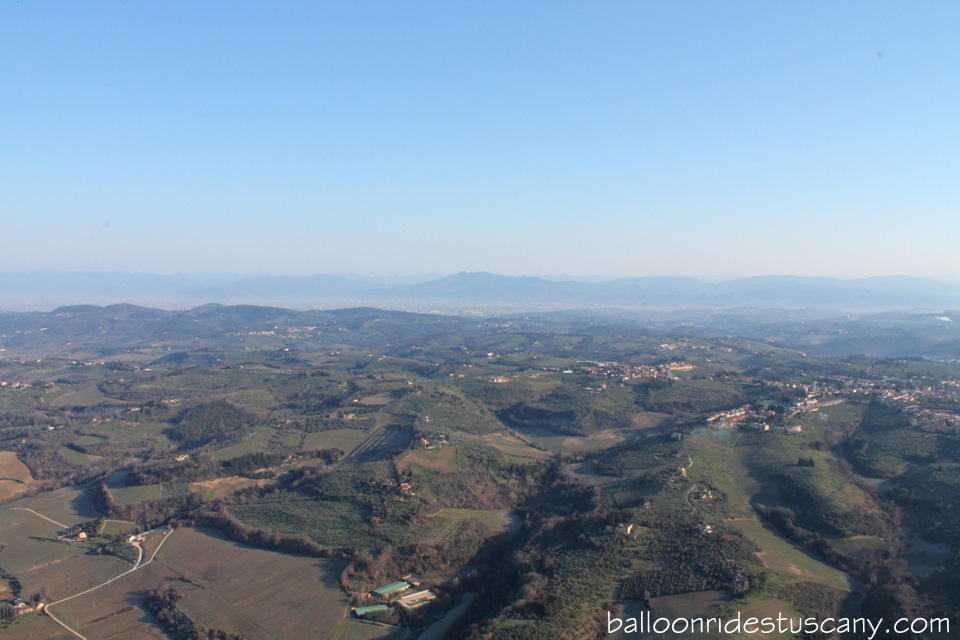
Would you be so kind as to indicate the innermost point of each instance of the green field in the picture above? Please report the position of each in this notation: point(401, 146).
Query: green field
point(440, 460)
point(781, 556)
point(69, 506)
point(505, 443)
point(257, 441)
point(344, 439)
point(15, 478)
point(82, 397)
point(137, 494)
point(117, 527)
point(75, 457)
point(30, 542)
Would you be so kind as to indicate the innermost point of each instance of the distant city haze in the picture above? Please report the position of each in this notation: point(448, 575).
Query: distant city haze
point(395, 139)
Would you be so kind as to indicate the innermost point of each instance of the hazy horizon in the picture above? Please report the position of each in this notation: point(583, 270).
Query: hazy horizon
point(400, 278)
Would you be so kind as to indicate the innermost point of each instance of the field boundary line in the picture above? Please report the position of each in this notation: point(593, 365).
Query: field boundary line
point(59, 524)
point(154, 555)
point(62, 624)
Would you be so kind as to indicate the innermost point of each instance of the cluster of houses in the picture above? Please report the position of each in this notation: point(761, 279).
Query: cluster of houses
point(744, 417)
point(673, 346)
point(624, 372)
point(943, 422)
point(626, 529)
point(405, 489)
point(907, 393)
point(749, 419)
point(704, 494)
point(22, 608)
point(430, 441)
point(408, 593)
point(14, 384)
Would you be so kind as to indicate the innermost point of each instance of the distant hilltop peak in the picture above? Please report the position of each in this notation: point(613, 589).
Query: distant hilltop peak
point(80, 292)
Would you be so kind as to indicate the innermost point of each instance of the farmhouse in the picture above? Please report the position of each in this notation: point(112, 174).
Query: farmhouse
point(22, 608)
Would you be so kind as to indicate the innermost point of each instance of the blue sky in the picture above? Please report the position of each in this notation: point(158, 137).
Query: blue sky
point(615, 138)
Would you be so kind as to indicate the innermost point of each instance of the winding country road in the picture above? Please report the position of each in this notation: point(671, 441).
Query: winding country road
point(137, 565)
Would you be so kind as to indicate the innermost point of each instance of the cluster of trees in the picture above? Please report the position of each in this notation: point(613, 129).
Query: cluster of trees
point(141, 394)
point(931, 494)
point(13, 583)
point(46, 462)
point(815, 600)
point(651, 454)
point(448, 411)
point(102, 499)
point(313, 424)
point(868, 565)
point(176, 624)
point(485, 481)
point(575, 410)
point(214, 420)
point(694, 562)
point(823, 512)
point(497, 395)
point(149, 514)
point(194, 469)
point(8, 613)
point(202, 467)
point(236, 530)
point(368, 569)
point(315, 392)
point(671, 582)
point(686, 397)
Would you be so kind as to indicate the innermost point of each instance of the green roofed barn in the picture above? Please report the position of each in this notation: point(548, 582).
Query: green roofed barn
point(362, 612)
point(391, 589)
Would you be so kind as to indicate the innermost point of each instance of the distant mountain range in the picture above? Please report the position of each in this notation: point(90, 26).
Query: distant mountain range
point(41, 290)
